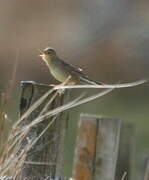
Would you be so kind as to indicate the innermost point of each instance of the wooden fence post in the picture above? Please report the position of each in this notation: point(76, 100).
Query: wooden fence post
point(46, 156)
point(97, 148)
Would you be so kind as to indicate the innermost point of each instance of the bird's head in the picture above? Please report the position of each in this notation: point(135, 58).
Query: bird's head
point(48, 54)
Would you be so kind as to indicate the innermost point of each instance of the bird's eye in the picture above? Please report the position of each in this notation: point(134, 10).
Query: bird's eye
point(49, 51)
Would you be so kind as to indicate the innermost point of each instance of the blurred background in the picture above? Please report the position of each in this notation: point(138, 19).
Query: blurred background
point(108, 39)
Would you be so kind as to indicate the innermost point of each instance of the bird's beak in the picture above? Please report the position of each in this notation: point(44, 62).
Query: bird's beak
point(41, 55)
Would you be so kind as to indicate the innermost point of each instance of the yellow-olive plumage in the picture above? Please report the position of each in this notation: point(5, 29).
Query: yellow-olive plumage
point(62, 70)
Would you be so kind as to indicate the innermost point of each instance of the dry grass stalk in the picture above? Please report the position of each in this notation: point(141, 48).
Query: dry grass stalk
point(13, 156)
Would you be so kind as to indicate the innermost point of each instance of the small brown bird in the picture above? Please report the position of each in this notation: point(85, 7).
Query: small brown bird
point(64, 72)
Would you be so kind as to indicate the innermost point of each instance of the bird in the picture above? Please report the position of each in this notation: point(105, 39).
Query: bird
point(64, 72)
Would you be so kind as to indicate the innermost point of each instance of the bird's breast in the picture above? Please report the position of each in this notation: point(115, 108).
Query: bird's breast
point(58, 71)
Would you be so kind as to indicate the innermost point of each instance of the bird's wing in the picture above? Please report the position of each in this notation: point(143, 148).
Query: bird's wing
point(78, 72)
point(71, 68)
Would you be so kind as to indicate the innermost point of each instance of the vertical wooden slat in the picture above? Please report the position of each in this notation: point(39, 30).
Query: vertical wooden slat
point(85, 149)
point(46, 156)
point(107, 148)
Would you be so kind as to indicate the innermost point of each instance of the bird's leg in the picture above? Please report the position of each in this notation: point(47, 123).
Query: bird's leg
point(61, 91)
point(61, 84)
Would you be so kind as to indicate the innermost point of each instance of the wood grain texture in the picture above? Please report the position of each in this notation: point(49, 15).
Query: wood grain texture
point(48, 152)
point(85, 149)
point(107, 148)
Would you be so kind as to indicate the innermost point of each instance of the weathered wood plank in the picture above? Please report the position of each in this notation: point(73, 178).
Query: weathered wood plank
point(96, 148)
point(107, 148)
point(85, 149)
point(46, 156)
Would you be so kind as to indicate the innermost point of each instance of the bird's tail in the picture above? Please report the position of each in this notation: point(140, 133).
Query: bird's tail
point(90, 81)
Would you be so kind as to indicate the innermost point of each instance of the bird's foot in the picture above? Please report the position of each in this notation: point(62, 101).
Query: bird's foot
point(59, 91)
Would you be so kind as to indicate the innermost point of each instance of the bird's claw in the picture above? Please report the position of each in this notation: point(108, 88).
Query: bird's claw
point(59, 91)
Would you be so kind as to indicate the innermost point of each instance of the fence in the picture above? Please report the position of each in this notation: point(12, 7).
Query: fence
point(104, 147)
